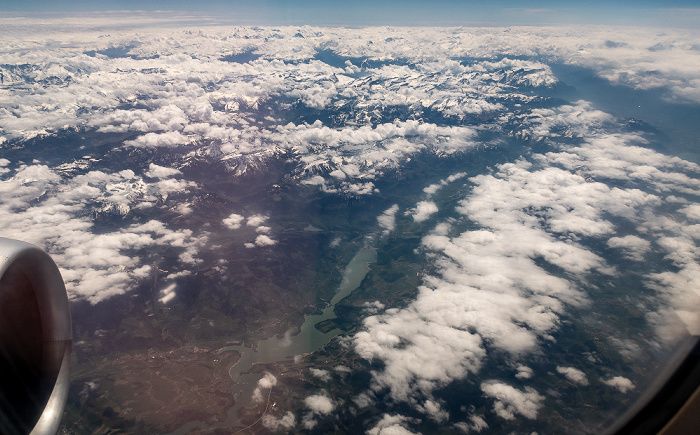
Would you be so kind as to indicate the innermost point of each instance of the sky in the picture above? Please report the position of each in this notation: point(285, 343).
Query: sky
point(675, 13)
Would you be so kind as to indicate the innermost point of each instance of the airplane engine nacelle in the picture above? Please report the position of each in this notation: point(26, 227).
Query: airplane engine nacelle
point(35, 340)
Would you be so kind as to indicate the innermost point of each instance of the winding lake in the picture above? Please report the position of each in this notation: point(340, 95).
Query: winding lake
point(309, 339)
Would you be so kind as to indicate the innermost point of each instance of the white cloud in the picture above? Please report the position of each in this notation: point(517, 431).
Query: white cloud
point(573, 374)
point(387, 220)
point(323, 375)
point(454, 177)
point(169, 186)
point(183, 209)
point(48, 210)
point(256, 220)
point(489, 286)
point(477, 424)
point(308, 421)
point(233, 221)
point(620, 159)
point(316, 180)
point(167, 293)
point(204, 96)
point(633, 247)
point(155, 171)
point(621, 383)
point(423, 210)
point(168, 139)
point(433, 409)
point(319, 404)
point(265, 383)
point(373, 307)
point(3, 162)
point(489, 290)
point(692, 211)
point(340, 160)
point(392, 425)
point(263, 240)
point(273, 423)
point(358, 189)
point(433, 188)
point(627, 347)
point(509, 401)
point(524, 372)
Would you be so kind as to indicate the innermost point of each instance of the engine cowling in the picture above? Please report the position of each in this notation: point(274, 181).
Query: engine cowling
point(35, 340)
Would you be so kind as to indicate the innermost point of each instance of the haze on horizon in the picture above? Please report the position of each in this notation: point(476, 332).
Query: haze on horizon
point(676, 13)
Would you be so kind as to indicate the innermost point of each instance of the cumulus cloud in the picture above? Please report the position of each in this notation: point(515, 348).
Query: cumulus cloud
point(476, 424)
point(260, 240)
point(321, 374)
point(621, 383)
point(273, 423)
point(423, 210)
point(573, 374)
point(316, 180)
point(392, 425)
point(319, 404)
point(156, 171)
point(48, 210)
point(256, 220)
point(509, 401)
point(627, 348)
point(479, 293)
point(59, 87)
point(692, 212)
point(308, 421)
point(490, 290)
point(167, 294)
point(3, 164)
point(645, 177)
point(183, 209)
point(373, 307)
point(454, 177)
point(233, 221)
point(387, 220)
point(633, 247)
point(170, 186)
point(524, 372)
point(433, 188)
point(263, 240)
point(265, 383)
point(168, 139)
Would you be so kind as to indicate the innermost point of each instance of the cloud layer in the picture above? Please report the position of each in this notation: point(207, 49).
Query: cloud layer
point(505, 285)
point(528, 240)
point(53, 211)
